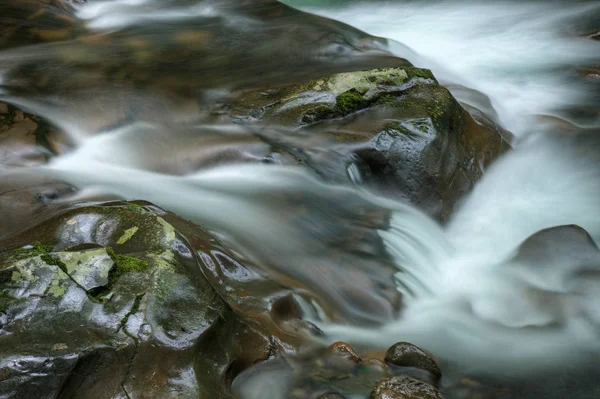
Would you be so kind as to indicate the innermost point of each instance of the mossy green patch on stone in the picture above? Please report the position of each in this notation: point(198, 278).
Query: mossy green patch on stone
point(123, 264)
point(363, 81)
point(350, 101)
point(136, 208)
point(127, 234)
point(419, 73)
point(36, 248)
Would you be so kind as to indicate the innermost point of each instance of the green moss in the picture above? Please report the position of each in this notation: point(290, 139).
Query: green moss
point(350, 101)
point(319, 113)
point(35, 249)
point(123, 264)
point(346, 103)
point(54, 262)
point(363, 81)
point(420, 73)
point(136, 208)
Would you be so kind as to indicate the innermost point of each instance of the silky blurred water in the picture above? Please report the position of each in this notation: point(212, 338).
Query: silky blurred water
point(522, 54)
point(468, 296)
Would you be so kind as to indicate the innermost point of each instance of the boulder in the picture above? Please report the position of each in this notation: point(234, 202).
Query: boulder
point(395, 130)
point(108, 301)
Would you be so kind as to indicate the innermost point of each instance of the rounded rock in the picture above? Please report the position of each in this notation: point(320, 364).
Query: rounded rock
point(344, 350)
point(404, 354)
point(404, 388)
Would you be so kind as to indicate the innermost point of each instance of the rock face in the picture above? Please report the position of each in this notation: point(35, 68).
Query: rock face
point(404, 132)
point(108, 301)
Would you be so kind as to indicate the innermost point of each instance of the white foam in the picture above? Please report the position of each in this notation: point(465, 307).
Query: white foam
point(514, 52)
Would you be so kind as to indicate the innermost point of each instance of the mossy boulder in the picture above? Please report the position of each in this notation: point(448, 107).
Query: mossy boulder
point(109, 301)
point(397, 129)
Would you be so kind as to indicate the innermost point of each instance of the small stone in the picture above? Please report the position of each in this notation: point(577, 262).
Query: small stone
point(404, 354)
point(404, 388)
point(344, 350)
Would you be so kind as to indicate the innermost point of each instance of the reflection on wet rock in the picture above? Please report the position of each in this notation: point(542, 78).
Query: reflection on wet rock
point(397, 128)
point(25, 139)
point(108, 300)
point(404, 354)
point(331, 373)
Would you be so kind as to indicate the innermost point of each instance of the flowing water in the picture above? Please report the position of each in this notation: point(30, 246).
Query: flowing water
point(521, 316)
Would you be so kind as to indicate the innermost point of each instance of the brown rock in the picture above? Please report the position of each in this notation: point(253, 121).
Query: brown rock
point(404, 388)
point(404, 354)
point(344, 350)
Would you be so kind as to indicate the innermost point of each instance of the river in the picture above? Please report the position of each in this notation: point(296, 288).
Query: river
point(525, 318)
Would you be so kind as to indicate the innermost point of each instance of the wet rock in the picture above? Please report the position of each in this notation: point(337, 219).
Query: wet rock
point(394, 130)
point(337, 371)
point(31, 22)
point(227, 49)
point(404, 388)
point(24, 138)
point(344, 350)
point(26, 200)
point(108, 301)
point(555, 242)
point(403, 354)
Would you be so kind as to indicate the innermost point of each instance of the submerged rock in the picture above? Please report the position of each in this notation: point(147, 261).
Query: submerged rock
point(395, 130)
point(108, 301)
point(25, 139)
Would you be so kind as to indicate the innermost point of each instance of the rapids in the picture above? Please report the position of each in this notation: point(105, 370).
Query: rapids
point(470, 295)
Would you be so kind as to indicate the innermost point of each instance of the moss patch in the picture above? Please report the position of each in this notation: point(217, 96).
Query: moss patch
point(136, 208)
point(123, 264)
point(35, 249)
point(364, 81)
point(419, 73)
point(345, 104)
point(350, 101)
